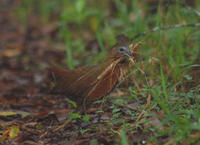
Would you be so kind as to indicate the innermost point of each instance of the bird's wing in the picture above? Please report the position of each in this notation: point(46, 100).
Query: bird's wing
point(77, 83)
point(104, 85)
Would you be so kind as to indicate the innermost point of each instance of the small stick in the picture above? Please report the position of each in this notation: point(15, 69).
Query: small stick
point(62, 125)
point(165, 28)
point(124, 106)
point(194, 10)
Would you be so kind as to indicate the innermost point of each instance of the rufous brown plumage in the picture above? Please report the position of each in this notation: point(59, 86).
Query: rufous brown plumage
point(87, 84)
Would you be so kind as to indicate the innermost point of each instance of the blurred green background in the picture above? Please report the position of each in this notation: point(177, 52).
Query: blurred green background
point(81, 22)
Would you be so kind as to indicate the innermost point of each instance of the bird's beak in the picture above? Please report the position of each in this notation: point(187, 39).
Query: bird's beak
point(128, 53)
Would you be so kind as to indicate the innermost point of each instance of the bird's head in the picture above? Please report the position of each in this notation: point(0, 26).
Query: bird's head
point(121, 51)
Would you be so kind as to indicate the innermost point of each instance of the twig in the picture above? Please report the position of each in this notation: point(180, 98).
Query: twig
point(189, 7)
point(165, 28)
point(124, 106)
point(136, 83)
point(63, 125)
point(140, 115)
point(194, 10)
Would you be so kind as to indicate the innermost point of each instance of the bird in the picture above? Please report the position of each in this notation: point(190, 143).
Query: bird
point(88, 84)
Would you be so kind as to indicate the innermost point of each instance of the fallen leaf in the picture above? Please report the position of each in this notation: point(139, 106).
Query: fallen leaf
point(13, 131)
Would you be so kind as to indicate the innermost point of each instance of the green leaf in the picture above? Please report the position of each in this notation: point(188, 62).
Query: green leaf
point(86, 118)
point(80, 5)
point(75, 116)
point(123, 137)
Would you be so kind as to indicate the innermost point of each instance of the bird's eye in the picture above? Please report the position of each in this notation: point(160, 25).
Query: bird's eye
point(121, 49)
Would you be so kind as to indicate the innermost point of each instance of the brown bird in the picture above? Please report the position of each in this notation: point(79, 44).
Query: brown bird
point(85, 85)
